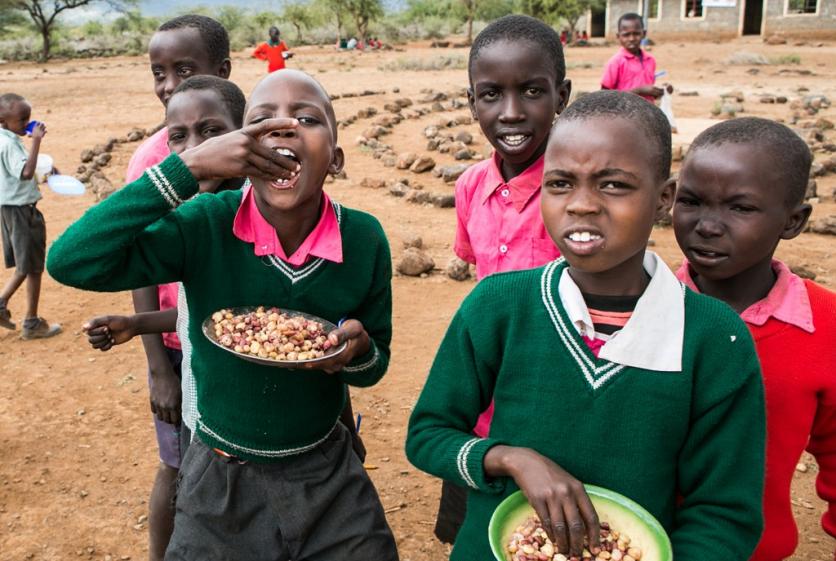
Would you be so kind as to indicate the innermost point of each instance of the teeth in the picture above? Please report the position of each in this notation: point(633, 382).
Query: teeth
point(515, 139)
point(583, 237)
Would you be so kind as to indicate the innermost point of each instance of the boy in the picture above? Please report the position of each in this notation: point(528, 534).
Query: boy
point(517, 87)
point(274, 51)
point(604, 369)
point(24, 229)
point(632, 69)
point(741, 191)
point(266, 436)
point(188, 45)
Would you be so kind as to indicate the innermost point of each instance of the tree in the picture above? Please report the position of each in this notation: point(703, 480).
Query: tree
point(363, 12)
point(299, 16)
point(43, 14)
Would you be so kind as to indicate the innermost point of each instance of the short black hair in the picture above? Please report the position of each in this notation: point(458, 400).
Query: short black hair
point(520, 28)
point(8, 100)
point(213, 34)
point(788, 153)
point(230, 94)
point(648, 118)
point(629, 16)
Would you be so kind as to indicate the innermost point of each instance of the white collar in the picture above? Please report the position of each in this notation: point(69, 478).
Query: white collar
point(653, 337)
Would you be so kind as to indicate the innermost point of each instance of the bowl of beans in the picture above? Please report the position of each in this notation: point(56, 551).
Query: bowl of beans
point(628, 531)
point(272, 336)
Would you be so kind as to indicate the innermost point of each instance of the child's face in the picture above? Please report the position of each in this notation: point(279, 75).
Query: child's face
point(601, 194)
point(731, 210)
point(293, 94)
point(16, 118)
point(193, 116)
point(177, 54)
point(630, 35)
point(515, 96)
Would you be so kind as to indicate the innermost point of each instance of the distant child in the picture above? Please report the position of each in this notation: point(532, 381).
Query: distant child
point(605, 370)
point(517, 87)
point(632, 69)
point(24, 229)
point(741, 191)
point(185, 46)
point(274, 51)
point(265, 436)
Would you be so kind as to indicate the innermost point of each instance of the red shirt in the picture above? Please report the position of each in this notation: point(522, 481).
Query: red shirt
point(272, 54)
point(794, 329)
point(626, 71)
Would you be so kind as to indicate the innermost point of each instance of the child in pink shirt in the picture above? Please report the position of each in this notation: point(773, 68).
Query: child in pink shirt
point(517, 87)
point(632, 69)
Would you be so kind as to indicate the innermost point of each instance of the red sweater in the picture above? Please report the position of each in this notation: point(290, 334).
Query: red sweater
point(799, 371)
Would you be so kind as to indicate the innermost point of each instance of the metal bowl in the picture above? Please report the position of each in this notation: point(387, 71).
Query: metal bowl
point(209, 332)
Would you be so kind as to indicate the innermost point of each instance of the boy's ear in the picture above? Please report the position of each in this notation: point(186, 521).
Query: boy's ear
point(225, 69)
point(564, 92)
point(337, 161)
point(471, 102)
point(796, 221)
point(666, 197)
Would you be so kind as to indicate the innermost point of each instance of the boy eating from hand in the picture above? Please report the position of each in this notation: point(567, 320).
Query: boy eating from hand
point(603, 368)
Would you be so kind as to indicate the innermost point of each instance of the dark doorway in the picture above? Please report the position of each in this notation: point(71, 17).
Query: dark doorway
point(752, 17)
point(598, 25)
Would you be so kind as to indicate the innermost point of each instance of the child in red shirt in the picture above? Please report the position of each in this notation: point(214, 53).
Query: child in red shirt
point(274, 51)
point(741, 191)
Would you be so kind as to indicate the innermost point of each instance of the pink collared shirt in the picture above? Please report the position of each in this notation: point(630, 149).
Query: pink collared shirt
point(151, 152)
point(498, 224)
point(626, 71)
point(788, 300)
point(324, 241)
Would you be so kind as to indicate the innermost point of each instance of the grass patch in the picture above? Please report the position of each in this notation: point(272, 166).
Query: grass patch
point(451, 62)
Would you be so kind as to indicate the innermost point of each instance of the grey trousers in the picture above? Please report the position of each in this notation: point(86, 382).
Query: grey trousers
point(318, 506)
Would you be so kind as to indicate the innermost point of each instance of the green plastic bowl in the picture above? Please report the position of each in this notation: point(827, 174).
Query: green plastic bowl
point(623, 514)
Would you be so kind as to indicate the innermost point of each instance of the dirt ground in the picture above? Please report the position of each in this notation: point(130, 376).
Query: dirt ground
point(75, 427)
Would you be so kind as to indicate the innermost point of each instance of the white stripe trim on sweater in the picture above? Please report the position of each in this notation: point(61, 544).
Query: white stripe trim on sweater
point(461, 461)
point(264, 453)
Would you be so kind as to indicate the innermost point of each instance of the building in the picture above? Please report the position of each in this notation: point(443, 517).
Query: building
point(720, 18)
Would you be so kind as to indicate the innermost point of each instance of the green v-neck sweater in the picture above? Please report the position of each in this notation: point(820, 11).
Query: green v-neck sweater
point(653, 436)
point(142, 235)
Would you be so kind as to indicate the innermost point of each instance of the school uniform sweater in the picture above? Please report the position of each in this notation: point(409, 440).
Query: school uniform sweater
point(654, 436)
point(143, 235)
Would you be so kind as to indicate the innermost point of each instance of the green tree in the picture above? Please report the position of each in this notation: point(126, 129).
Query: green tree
point(299, 16)
point(43, 14)
point(364, 12)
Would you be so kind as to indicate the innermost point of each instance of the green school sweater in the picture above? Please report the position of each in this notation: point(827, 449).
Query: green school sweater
point(649, 435)
point(142, 236)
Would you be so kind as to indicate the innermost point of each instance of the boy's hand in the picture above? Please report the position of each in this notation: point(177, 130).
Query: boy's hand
point(354, 334)
point(653, 91)
point(166, 395)
point(39, 131)
point(241, 154)
point(559, 499)
point(106, 331)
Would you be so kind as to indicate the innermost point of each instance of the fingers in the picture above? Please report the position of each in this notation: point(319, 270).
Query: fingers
point(269, 125)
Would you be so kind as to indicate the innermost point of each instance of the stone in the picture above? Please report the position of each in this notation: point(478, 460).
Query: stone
point(422, 164)
point(826, 225)
point(457, 269)
point(464, 137)
point(431, 131)
point(418, 196)
point(443, 200)
point(405, 160)
point(87, 156)
point(413, 240)
point(463, 154)
point(375, 132)
point(103, 159)
point(432, 144)
point(372, 183)
point(399, 189)
point(451, 173)
point(415, 262)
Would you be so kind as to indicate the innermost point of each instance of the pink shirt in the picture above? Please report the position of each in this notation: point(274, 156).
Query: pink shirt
point(788, 300)
point(324, 241)
point(498, 223)
point(151, 152)
point(626, 71)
